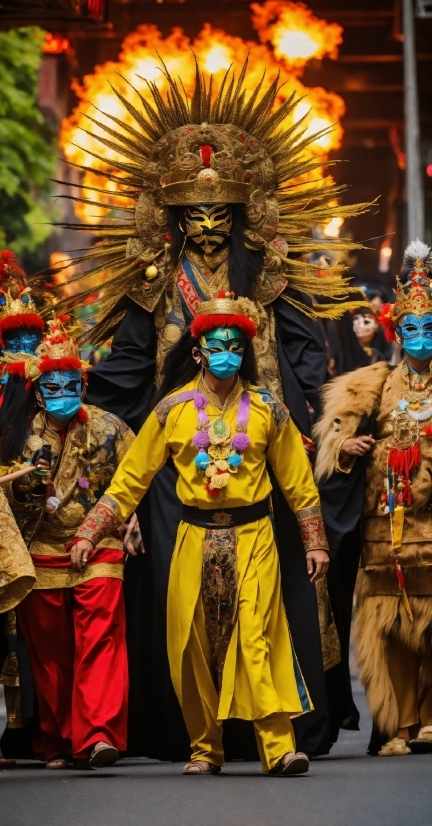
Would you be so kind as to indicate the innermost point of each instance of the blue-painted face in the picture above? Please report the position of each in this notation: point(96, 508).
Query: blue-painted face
point(224, 348)
point(61, 391)
point(22, 340)
point(417, 335)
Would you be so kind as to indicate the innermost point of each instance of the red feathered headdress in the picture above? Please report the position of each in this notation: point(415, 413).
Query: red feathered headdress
point(386, 321)
point(225, 311)
point(28, 321)
point(9, 267)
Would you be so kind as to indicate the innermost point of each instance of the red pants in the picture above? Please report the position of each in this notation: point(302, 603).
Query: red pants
point(77, 647)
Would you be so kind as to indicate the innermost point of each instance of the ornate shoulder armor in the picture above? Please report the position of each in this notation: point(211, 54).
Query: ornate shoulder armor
point(279, 410)
point(164, 406)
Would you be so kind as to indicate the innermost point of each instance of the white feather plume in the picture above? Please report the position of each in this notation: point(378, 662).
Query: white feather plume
point(418, 250)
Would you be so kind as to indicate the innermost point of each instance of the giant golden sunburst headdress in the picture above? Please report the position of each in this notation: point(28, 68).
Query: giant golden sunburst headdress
point(224, 147)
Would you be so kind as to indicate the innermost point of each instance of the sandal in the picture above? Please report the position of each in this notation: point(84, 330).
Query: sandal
point(56, 763)
point(422, 744)
point(291, 763)
point(106, 755)
point(201, 767)
point(395, 747)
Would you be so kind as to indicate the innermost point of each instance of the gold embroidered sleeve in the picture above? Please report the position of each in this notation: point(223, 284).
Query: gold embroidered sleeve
point(312, 529)
point(124, 440)
point(102, 520)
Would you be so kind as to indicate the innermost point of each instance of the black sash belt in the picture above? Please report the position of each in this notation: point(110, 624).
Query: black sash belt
point(226, 517)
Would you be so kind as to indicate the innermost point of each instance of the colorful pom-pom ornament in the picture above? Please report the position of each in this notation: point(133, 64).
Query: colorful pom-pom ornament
point(202, 460)
point(201, 439)
point(240, 441)
point(200, 401)
point(235, 460)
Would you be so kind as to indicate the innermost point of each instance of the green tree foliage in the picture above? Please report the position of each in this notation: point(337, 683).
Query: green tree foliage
point(27, 147)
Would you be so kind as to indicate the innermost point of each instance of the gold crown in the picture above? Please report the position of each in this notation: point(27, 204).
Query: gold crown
point(414, 297)
point(207, 164)
point(206, 188)
point(58, 346)
point(228, 305)
point(14, 301)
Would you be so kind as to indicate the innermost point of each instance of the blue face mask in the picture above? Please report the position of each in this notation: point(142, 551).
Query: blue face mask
point(224, 348)
point(61, 390)
point(223, 365)
point(63, 408)
point(417, 336)
point(22, 341)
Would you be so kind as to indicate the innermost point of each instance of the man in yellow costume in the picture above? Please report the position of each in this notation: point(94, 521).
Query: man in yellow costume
point(229, 644)
point(375, 438)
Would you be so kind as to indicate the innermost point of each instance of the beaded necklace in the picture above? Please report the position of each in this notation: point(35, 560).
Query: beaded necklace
point(403, 458)
point(219, 455)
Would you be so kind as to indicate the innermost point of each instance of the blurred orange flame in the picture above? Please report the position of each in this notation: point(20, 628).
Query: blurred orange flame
point(286, 25)
point(295, 33)
point(55, 44)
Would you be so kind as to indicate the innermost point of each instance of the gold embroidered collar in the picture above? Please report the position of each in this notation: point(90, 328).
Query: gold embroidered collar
point(213, 399)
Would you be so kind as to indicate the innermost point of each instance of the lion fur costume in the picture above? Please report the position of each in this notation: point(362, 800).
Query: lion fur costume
point(380, 614)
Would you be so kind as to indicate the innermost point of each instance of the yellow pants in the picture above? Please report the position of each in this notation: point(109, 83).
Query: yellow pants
point(414, 706)
point(200, 703)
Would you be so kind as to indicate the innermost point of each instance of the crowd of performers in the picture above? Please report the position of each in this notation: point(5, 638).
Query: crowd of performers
point(270, 496)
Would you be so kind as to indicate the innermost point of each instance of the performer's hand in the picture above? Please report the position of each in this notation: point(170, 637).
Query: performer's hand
point(43, 464)
point(80, 553)
point(357, 446)
point(131, 535)
point(317, 564)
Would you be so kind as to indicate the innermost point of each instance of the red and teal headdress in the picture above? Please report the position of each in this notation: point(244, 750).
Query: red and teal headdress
point(226, 311)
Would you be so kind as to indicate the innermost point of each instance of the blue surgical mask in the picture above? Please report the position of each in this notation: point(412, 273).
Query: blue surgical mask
point(63, 408)
point(417, 336)
point(223, 348)
point(224, 364)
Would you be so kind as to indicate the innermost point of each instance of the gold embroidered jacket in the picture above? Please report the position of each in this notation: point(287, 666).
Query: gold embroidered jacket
point(82, 468)
point(17, 574)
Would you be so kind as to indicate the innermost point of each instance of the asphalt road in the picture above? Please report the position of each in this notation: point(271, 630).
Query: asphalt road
point(348, 788)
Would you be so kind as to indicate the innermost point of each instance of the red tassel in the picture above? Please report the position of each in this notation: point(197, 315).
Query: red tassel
point(28, 386)
point(402, 462)
point(400, 576)
point(407, 494)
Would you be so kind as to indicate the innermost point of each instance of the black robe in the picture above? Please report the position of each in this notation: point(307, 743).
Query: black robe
point(123, 384)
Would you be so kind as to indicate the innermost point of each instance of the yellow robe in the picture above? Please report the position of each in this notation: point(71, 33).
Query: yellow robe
point(261, 675)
